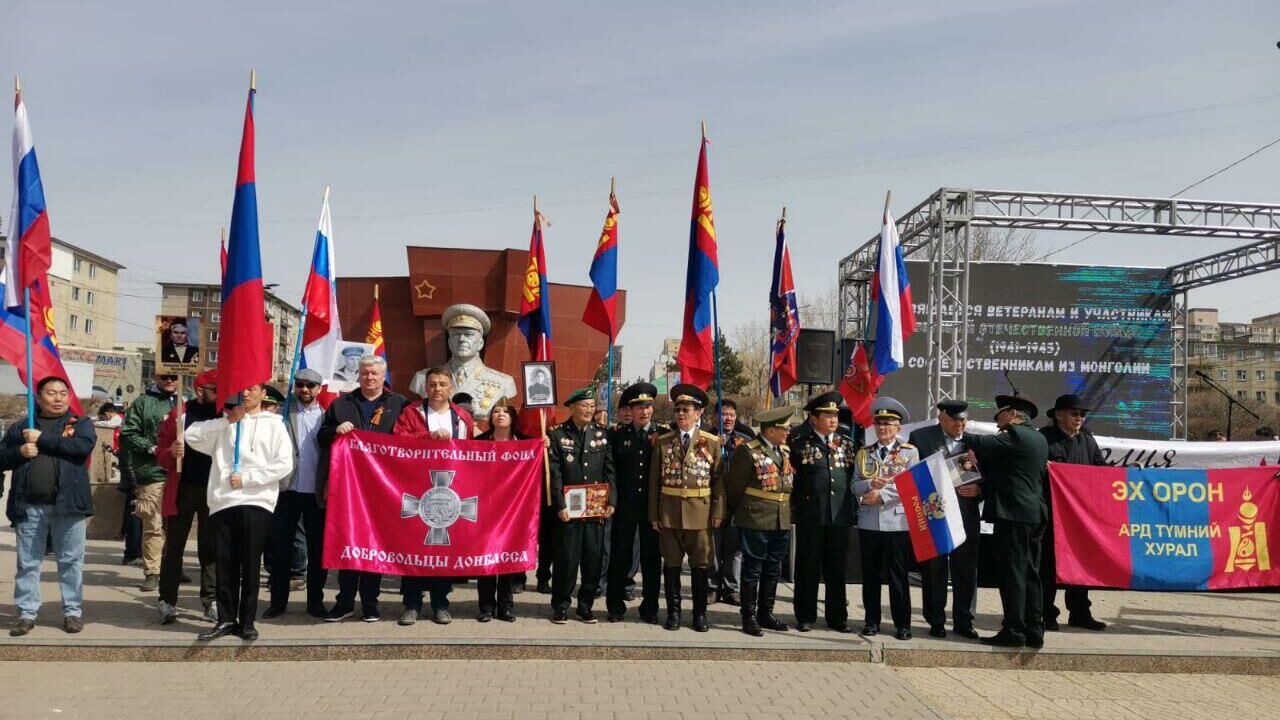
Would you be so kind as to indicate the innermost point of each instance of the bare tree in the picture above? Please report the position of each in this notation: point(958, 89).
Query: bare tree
point(751, 343)
point(1002, 244)
point(821, 310)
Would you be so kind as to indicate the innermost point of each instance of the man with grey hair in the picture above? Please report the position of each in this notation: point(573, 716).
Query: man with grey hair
point(1013, 463)
point(370, 407)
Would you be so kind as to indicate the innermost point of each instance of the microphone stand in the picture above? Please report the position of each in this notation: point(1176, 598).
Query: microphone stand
point(1232, 402)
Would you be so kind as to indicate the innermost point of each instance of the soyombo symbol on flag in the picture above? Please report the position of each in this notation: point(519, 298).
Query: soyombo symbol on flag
point(406, 506)
point(1163, 529)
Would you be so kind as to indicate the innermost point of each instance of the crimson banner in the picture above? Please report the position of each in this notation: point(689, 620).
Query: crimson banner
point(1162, 529)
point(404, 506)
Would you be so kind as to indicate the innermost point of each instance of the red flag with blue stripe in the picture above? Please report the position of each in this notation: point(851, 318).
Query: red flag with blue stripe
point(535, 299)
point(247, 361)
point(601, 310)
point(696, 357)
point(784, 318)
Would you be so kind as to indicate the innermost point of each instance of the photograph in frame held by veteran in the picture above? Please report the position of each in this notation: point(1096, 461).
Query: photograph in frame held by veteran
point(466, 327)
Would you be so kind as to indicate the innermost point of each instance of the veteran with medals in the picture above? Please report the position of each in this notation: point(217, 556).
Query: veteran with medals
point(686, 501)
point(823, 507)
point(632, 448)
point(882, 522)
point(757, 491)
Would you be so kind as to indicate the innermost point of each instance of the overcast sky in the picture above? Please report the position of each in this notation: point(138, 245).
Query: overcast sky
point(435, 123)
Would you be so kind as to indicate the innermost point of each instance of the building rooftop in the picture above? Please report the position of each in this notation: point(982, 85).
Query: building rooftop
point(105, 262)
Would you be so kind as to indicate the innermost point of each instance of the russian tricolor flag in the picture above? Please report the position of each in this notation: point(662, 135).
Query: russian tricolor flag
point(30, 245)
point(891, 291)
point(323, 330)
point(928, 494)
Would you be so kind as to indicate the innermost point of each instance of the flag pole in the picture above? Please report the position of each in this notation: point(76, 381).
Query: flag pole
point(235, 459)
point(715, 336)
point(297, 345)
point(613, 186)
point(26, 305)
point(542, 412)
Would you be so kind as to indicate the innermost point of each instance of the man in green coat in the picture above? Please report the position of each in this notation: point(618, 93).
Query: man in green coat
point(138, 438)
point(1012, 463)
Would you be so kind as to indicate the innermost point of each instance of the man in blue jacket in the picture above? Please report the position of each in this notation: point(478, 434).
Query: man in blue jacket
point(49, 497)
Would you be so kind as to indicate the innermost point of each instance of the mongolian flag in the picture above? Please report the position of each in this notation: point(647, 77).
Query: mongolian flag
point(784, 318)
point(247, 361)
point(535, 321)
point(601, 311)
point(696, 357)
point(374, 336)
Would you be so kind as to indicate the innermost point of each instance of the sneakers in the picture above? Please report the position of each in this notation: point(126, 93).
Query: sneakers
point(168, 613)
point(338, 614)
point(211, 612)
point(560, 617)
point(72, 624)
point(408, 617)
point(441, 617)
point(371, 616)
point(21, 627)
point(585, 615)
point(150, 583)
point(298, 583)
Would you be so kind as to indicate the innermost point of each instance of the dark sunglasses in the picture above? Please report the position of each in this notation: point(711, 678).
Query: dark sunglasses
point(304, 384)
point(167, 378)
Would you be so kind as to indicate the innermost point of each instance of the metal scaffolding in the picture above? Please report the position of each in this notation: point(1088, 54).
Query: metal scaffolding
point(941, 227)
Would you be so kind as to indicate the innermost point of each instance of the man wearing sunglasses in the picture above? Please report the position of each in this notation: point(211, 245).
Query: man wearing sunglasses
point(1069, 442)
point(139, 436)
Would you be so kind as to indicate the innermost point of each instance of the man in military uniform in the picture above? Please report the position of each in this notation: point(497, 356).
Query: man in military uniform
point(883, 539)
point(962, 563)
point(632, 448)
point(758, 499)
point(1013, 463)
point(579, 455)
point(823, 507)
point(686, 501)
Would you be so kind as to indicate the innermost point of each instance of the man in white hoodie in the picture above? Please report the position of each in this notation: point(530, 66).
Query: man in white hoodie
point(241, 501)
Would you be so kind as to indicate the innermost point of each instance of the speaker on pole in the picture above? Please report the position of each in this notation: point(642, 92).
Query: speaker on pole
point(816, 357)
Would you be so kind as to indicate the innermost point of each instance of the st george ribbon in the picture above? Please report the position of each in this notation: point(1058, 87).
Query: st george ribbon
point(405, 506)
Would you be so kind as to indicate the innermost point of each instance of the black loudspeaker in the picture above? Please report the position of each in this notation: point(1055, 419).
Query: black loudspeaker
point(816, 357)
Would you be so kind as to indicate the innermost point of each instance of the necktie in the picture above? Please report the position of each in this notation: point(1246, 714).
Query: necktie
point(684, 443)
point(884, 452)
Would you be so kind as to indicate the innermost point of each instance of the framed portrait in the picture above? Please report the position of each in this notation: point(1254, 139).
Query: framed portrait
point(346, 364)
point(586, 501)
point(178, 345)
point(539, 383)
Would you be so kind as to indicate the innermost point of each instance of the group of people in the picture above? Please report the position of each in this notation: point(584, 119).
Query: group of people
point(724, 501)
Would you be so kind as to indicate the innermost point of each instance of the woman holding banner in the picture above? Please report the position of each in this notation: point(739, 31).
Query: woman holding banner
point(495, 591)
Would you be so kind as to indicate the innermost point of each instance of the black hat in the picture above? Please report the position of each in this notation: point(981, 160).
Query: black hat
point(1013, 402)
point(461, 398)
point(639, 394)
point(957, 409)
point(1070, 401)
point(828, 402)
point(687, 393)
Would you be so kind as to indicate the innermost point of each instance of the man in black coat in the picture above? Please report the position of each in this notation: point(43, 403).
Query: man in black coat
point(372, 408)
point(1069, 442)
point(1013, 464)
point(632, 448)
point(962, 563)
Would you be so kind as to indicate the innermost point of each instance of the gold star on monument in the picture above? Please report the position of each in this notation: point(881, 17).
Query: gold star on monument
point(425, 290)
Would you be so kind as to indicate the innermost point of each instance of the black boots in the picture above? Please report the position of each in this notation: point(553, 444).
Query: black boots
point(701, 586)
point(671, 579)
point(750, 625)
point(764, 613)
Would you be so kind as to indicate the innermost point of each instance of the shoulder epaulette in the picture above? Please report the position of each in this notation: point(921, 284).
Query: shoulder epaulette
point(908, 445)
point(668, 434)
point(709, 436)
point(753, 444)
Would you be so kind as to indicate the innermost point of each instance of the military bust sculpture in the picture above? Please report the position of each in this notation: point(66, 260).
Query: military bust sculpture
point(466, 327)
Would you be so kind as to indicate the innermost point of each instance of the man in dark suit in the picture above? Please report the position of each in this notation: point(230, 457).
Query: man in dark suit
point(1013, 463)
point(632, 448)
point(175, 348)
point(962, 563)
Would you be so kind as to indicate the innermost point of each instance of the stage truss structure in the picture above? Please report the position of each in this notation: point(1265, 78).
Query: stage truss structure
point(941, 228)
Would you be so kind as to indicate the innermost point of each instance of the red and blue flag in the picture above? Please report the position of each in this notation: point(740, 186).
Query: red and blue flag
point(601, 310)
point(535, 298)
point(784, 318)
point(928, 494)
point(696, 357)
point(246, 361)
point(891, 293)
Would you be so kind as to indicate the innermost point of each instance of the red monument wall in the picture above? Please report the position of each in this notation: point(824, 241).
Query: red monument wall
point(490, 279)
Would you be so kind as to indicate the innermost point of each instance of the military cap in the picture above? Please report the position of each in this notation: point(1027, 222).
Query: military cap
point(1014, 402)
point(957, 409)
point(886, 408)
point(828, 402)
point(465, 315)
point(775, 417)
point(308, 375)
point(273, 396)
point(639, 394)
point(579, 395)
point(353, 351)
point(688, 393)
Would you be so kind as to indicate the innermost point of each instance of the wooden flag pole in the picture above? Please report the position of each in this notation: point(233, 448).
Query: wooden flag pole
point(542, 415)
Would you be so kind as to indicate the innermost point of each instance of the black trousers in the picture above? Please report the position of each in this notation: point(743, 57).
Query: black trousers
point(239, 534)
point(820, 554)
point(727, 570)
point(548, 540)
point(580, 549)
point(1077, 597)
point(368, 584)
point(290, 507)
point(191, 505)
point(623, 543)
point(962, 567)
point(885, 554)
point(494, 592)
point(763, 552)
point(1016, 548)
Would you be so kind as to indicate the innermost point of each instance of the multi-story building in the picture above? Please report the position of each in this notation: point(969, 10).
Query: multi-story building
point(83, 287)
point(1244, 358)
point(204, 302)
point(661, 374)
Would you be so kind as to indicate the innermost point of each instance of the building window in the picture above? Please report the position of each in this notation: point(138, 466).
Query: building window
point(75, 323)
point(213, 336)
point(1260, 396)
point(196, 314)
point(1278, 398)
point(88, 297)
point(1222, 374)
point(1278, 376)
point(88, 325)
point(1242, 354)
point(75, 293)
point(1242, 375)
point(1260, 375)
point(75, 266)
point(1239, 394)
point(216, 316)
point(93, 270)
point(197, 296)
point(213, 356)
point(217, 296)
